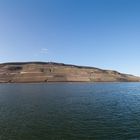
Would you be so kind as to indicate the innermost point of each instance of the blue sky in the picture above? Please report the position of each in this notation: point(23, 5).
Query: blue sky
point(99, 33)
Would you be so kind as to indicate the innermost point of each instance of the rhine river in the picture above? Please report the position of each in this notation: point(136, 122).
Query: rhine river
point(70, 111)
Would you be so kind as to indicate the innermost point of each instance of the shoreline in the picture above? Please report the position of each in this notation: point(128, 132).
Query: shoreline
point(69, 82)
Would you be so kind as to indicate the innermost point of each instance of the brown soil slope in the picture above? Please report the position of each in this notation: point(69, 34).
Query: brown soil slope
point(57, 72)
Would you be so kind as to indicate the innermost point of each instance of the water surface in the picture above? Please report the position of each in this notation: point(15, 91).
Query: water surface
point(70, 111)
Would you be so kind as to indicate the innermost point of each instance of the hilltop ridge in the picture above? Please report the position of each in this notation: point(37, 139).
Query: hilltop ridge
point(16, 72)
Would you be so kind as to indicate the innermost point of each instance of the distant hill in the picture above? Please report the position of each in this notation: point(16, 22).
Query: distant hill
point(27, 72)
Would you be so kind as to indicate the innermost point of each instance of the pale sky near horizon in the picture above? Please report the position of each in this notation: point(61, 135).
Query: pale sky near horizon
point(98, 33)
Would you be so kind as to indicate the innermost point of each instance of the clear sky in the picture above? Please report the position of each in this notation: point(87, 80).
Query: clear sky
point(99, 33)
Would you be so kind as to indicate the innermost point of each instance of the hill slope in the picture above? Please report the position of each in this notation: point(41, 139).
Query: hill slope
point(58, 72)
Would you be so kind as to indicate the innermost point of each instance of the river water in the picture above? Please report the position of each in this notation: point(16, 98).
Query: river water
point(70, 111)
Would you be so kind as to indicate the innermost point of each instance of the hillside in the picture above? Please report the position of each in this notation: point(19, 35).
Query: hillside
point(58, 72)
